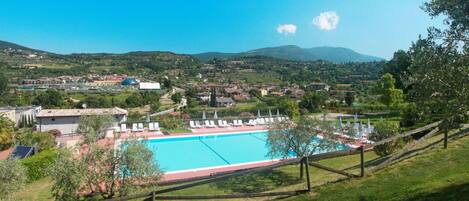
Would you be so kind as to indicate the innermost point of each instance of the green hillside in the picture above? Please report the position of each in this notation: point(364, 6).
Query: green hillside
point(292, 52)
point(436, 175)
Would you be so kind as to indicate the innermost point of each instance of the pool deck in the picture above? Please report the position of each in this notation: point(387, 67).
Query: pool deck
point(212, 171)
point(179, 175)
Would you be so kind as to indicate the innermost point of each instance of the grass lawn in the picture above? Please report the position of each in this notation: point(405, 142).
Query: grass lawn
point(435, 175)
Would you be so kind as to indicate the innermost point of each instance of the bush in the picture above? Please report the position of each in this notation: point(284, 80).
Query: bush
point(43, 140)
point(38, 165)
point(383, 130)
point(12, 178)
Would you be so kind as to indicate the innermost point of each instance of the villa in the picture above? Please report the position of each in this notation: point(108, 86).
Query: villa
point(66, 120)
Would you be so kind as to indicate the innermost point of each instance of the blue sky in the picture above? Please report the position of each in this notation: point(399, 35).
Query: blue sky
point(375, 27)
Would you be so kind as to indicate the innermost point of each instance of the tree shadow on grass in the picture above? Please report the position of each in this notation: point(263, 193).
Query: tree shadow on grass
point(453, 192)
point(257, 182)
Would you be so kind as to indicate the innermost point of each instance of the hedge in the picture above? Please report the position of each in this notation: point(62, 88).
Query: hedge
point(38, 165)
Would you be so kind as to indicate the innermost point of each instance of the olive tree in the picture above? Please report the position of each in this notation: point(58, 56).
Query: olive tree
point(6, 133)
point(439, 73)
point(94, 126)
point(107, 170)
point(288, 139)
point(383, 130)
point(12, 177)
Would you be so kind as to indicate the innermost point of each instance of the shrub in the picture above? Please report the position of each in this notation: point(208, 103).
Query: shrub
point(12, 177)
point(383, 130)
point(38, 165)
point(43, 140)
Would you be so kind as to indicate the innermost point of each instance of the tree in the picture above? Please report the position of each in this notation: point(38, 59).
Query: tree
point(255, 93)
point(134, 100)
point(6, 133)
point(176, 98)
point(213, 98)
point(12, 178)
point(290, 107)
point(3, 83)
point(288, 139)
point(105, 169)
point(155, 106)
point(94, 126)
point(191, 92)
point(49, 99)
point(440, 66)
point(398, 67)
point(385, 129)
point(167, 84)
point(43, 140)
point(390, 96)
point(313, 101)
point(67, 175)
point(349, 98)
point(96, 101)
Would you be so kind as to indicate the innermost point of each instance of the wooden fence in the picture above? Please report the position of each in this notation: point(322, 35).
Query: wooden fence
point(304, 166)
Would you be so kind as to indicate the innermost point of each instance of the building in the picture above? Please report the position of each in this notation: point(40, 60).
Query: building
point(264, 92)
point(66, 120)
point(22, 115)
point(319, 86)
point(129, 82)
point(224, 102)
point(149, 86)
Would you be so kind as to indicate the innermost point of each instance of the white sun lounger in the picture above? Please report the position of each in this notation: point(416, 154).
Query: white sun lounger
point(156, 125)
point(212, 123)
point(123, 128)
point(225, 123)
point(134, 128)
point(192, 124)
point(207, 124)
point(140, 127)
point(151, 127)
point(220, 123)
point(197, 124)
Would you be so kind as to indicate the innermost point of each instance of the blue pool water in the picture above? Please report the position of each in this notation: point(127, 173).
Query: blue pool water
point(184, 153)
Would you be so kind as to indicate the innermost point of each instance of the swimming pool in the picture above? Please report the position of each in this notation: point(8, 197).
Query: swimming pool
point(206, 151)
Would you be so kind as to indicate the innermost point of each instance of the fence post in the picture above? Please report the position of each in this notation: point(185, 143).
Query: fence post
point(153, 196)
point(446, 139)
point(301, 168)
point(362, 161)
point(307, 173)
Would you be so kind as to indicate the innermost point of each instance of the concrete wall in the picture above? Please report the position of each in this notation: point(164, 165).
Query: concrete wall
point(68, 125)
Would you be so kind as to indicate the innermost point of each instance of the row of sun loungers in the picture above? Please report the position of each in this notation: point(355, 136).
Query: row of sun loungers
point(236, 123)
point(138, 127)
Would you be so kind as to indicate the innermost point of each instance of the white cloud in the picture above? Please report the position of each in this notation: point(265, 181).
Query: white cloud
point(286, 29)
point(326, 21)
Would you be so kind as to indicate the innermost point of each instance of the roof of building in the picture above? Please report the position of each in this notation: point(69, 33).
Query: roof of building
point(149, 85)
point(224, 100)
point(129, 81)
point(80, 112)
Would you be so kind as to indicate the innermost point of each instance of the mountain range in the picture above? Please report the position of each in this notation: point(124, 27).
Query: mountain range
point(11, 51)
point(292, 52)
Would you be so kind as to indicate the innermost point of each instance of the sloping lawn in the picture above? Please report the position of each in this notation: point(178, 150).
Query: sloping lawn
point(436, 175)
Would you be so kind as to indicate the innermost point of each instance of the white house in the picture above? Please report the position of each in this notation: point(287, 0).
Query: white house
point(24, 114)
point(66, 120)
point(149, 86)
